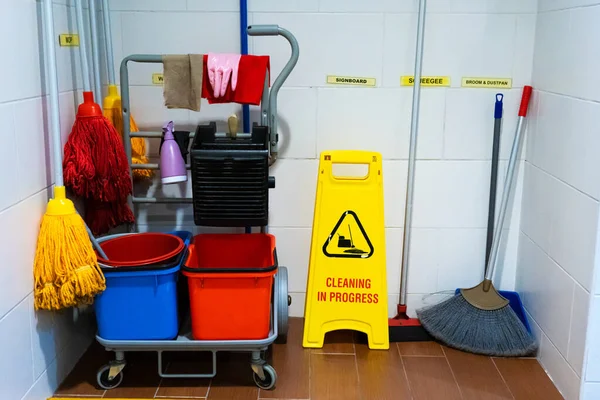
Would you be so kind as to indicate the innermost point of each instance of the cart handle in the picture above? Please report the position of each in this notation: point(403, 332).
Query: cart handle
point(275, 30)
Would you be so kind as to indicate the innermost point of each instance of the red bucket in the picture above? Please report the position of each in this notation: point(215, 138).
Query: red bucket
point(141, 249)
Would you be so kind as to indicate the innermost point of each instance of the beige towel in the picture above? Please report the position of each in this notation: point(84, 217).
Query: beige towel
point(183, 80)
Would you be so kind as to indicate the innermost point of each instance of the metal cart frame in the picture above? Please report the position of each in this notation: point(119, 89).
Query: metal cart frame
point(111, 375)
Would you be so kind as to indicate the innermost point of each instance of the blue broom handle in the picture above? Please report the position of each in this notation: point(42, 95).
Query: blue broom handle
point(85, 67)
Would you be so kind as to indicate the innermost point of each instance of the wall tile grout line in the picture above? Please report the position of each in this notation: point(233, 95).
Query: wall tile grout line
point(561, 181)
point(553, 260)
point(502, 377)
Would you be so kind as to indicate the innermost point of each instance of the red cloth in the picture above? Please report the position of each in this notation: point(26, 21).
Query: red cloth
point(250, 83)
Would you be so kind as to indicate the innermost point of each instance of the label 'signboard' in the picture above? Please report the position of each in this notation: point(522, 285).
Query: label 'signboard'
point(350, 80)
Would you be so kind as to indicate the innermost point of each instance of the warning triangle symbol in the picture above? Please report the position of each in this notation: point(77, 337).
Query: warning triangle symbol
point(348, 239)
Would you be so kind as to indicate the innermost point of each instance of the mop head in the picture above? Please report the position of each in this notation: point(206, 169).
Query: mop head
point(113, 112)
point(101, 216)
point(66, 271)
point(458, 324)
point(95, 164)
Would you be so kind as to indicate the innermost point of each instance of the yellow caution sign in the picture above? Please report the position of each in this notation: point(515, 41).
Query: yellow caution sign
point(347, 286)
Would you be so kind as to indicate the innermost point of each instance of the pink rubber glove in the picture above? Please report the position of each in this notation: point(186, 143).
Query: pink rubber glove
point(222, 68)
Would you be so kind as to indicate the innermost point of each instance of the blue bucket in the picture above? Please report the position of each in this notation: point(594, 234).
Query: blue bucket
point(515, 304)
point(141, 303)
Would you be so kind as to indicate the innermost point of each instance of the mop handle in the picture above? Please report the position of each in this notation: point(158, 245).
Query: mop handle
point(412, 153)
point(509, 181)
point(87, 84)
point(53, 92)
point(95, 48)
point(110, 60)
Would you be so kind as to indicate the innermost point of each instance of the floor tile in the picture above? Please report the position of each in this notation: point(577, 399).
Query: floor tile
point(420, 349)
point(184, 387)
point(234, 378)
point(381, 373)
point(477, 376)
point(337, 342)
point(430, 378)
point(423, 370)
point(292, 363)
point(333, 377)
point(140, 378)
point(526, 379)
point(82, 380)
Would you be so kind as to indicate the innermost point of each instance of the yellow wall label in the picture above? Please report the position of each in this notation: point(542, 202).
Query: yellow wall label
point(505, 83)
point(426, 80)
point(350, 80)
point(68, 39)
point(157, 79)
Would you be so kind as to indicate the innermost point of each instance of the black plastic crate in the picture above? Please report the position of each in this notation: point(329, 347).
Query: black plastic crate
point(230, 178)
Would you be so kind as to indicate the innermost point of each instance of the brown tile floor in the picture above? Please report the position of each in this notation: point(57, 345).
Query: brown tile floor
point(343, 369)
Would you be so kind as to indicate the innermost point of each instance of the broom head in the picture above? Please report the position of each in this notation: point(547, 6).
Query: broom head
point(113, 112)
point(478, 321)
point(66, 270)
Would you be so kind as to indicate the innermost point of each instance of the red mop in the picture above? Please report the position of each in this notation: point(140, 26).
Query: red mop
point(95, 164)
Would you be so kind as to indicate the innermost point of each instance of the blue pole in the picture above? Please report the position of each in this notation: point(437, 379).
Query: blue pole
point(244, 46)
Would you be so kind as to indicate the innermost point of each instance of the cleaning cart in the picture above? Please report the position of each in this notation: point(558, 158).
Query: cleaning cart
point(230, 188)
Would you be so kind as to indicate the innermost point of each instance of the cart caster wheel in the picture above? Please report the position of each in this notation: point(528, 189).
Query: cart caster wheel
point(270, 378)
point(284, 301)
point(106, 383)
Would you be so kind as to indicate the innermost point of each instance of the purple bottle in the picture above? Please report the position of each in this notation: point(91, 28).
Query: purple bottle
point(172, 165)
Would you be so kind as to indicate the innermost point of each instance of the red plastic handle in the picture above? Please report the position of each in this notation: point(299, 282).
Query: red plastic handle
point(525, 101)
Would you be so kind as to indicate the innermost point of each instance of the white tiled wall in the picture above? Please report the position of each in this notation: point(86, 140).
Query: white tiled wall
point(38, 348)
point(357, 38)
point(559, 216)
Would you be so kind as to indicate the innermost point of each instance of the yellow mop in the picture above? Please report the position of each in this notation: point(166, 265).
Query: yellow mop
point(111, 106)
point(66, 270)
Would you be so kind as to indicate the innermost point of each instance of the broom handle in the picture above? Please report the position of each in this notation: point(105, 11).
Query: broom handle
point(95, 48)
point(412, 153)
point(53, 92)
point(508, 185)
point(110, 58)
point(494, 175)
point(85, 67)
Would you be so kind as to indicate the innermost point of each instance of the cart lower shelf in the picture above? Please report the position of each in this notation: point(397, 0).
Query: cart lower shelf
point(111, 375)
